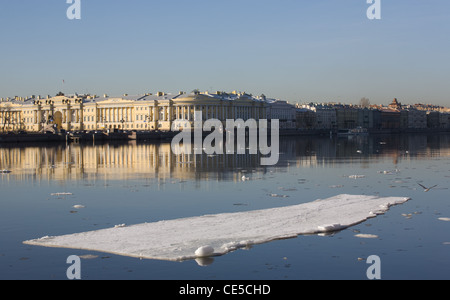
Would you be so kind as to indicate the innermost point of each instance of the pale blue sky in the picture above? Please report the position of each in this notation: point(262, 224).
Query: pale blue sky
point(315, 50)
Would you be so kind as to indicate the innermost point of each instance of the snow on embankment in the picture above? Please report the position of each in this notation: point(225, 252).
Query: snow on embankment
point(212, 235)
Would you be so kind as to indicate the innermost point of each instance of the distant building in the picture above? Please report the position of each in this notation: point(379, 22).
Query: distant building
point(417, 119)
point(444, 120)
point(433, 120)
point(346, 117)
point(390, 118)
point(306, 119)
point(395, 105)
point(325, 116)
point(283, 111)
point(367, 118)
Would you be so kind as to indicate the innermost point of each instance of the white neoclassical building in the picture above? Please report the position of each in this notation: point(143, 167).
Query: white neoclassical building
point(159, 111)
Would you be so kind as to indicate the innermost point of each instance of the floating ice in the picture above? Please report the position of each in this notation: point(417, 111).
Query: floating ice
point(61, 194)
point(88, 256)
point(329, 228)
point(204, 251)
point(278, 196)
point(366, 236)
point(356, 176)
point(336, 186)
point(182, 239)
point(445, 219)
point(78, 206)
point(389, 171)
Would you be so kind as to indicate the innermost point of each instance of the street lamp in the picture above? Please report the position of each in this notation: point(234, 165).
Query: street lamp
point(122, 121)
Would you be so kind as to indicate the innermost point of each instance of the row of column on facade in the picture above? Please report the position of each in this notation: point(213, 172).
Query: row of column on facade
point(152, 113)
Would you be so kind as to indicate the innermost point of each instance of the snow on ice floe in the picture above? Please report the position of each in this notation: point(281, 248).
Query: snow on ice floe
point(213, 235)
point(204, 251)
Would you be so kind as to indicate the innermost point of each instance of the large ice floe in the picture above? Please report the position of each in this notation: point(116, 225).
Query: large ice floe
point(213, 235)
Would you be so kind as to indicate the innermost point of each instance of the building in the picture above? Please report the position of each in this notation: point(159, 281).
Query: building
point(395, 105)
point(417, 119)
point(325, 116)
point(390, 118)
point(160, 111)
point(306, 119)
point(366, 118)
point(444, 120)
point(346, 117)
point(283, 111)
point(433, 119)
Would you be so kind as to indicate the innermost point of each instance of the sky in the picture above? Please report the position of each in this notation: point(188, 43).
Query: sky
point(295, 50)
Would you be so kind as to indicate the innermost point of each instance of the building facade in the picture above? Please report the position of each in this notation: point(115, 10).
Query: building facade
point(158, 111)
point(282, 111)
point(346, 117)
point(324, 116)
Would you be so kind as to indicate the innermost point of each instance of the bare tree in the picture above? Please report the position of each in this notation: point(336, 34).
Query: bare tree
point(364, 102)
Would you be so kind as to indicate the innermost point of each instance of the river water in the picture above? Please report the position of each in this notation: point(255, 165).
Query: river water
point(57, 189)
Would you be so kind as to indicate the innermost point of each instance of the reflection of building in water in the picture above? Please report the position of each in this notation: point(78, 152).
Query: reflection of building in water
point(156, 160)
point(120, 161)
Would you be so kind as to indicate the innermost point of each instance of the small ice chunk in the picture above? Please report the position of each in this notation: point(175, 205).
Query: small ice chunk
point(278, 196)
point(336, 186)
point(88, 256)
point(330, 227)
point(445, 219)
point(78, 206)
point(120, 225)
point(356, 176)
point(366, 236)
point(204, 251)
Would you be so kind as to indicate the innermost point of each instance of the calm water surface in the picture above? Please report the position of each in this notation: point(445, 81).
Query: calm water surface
point(143, 182)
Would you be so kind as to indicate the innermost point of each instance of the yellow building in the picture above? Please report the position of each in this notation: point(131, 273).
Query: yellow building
point(158, 111)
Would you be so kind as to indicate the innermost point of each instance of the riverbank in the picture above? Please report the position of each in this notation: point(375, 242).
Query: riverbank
point(164, 135)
